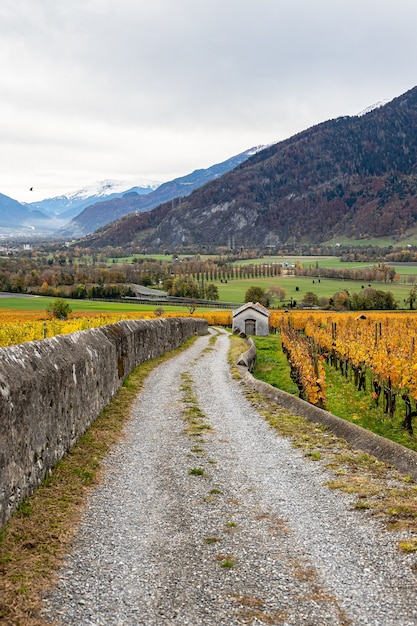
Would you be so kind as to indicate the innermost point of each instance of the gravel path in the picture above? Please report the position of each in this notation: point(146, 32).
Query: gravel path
point(250, 536)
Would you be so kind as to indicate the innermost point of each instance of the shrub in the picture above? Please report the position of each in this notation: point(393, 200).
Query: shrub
point(59, 309)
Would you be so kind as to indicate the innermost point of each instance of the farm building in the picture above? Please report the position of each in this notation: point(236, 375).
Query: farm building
point(251, 319)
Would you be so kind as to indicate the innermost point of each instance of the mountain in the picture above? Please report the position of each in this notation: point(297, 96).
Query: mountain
point(17, 219)
point(70, 205)
point(101, 213)
point(353, 176)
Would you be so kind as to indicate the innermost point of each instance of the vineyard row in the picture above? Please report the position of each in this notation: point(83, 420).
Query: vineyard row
point(376, 348)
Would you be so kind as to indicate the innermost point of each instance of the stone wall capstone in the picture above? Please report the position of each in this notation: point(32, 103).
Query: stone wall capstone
point(52, 390)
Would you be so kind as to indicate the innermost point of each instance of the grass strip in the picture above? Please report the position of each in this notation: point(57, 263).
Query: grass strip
point(272, 364)
point(36, 539)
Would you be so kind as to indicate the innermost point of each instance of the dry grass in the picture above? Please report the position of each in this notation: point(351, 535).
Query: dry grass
point(38, 536)
point(227, 561)
point(237, 347)
point(277, 525)
point(253, 608)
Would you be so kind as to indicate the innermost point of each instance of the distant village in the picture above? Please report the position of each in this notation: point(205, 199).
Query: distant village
point(15, 248)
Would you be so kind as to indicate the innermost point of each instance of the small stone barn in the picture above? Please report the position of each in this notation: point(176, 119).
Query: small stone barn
point(251, 319)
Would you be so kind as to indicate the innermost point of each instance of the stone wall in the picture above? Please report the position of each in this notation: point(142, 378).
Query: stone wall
point(52, 390)
point(248, 358)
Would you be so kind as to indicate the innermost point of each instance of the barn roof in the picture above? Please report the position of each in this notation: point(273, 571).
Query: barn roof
point(250, 305)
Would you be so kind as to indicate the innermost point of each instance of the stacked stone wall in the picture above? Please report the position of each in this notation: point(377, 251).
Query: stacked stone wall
point(52, 390)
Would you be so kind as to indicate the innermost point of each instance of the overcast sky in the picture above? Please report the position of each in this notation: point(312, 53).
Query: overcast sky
point(153, 89)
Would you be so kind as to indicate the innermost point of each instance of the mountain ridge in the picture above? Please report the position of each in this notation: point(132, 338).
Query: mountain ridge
point(354, 176)
point(69, 205)
point(101, 213)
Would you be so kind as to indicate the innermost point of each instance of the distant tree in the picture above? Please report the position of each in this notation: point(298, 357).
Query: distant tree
point(18, 284)
point(79, 291)
point(59, 308)
point(412, 297)
point(184, 287)
point(191, 306)
point(384, 301)
point(371, 299)
point(46, 289)
point(257, 294)
point(212, 292)
point(276, 291)
point(340, 301)
point(310, 299)
point(168, 284)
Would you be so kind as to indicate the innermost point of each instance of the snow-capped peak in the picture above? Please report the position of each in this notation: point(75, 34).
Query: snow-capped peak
point(76, 200)
point(107, 187)
point(377, 105)
point(256, 149)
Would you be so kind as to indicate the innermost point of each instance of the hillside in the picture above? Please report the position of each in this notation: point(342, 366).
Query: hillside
point(101, 213)
point(19, 219)
point(352, 176)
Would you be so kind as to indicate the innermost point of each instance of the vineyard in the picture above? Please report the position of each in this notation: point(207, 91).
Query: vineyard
point(376, 351)
point(21, 326)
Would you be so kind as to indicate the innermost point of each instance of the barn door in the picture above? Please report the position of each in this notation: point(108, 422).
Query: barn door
point(250, 327)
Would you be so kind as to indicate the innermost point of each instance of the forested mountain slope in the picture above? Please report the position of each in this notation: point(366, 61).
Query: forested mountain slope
point(354, 176)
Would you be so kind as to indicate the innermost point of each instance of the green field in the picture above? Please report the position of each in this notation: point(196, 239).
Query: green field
point(378, 242)
point(40, 303)
point(156, 257)
point(234, 290)
point(329, 262)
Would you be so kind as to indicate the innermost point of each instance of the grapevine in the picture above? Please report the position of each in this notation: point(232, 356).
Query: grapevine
point(306, 367)
point(381, 344)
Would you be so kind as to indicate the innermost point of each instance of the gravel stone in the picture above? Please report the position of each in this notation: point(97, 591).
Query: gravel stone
point(255, 539)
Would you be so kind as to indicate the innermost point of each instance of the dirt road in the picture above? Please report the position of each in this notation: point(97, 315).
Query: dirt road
point(206, 517)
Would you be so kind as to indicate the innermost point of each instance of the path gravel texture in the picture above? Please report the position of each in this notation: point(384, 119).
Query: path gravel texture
point(232, 526)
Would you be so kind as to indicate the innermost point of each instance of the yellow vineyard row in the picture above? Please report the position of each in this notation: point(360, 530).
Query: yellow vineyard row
point(21, 326)
point(382, 342)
